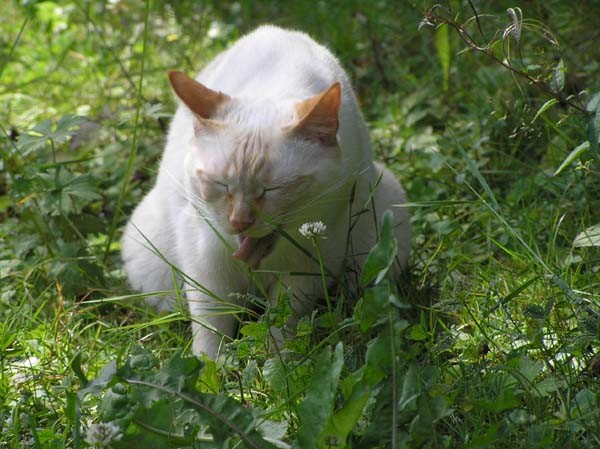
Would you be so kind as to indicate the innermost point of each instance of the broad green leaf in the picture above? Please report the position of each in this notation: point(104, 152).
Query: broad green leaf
point(592, 135)
point(382, 255)
point(410, 390)
point(429, 411)
point(378, 359)
point(594, 103)
point(344, 420)
point(275, 374)
point(572, 156)
point(589, 237)
point(417, 332)
point(584, 402)
point(528, 369)
point(317, 407)
point(374, 306)
point(442, 46)
point(557, 81)
point(485, 439)
point(104, 379)
point(7, 267)
point(593, 107)
point(505, 400)
point(547, 386)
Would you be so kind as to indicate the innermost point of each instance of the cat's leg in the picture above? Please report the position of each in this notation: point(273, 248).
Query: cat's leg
point(212, 278)
point(147, 249)
point(389, 194)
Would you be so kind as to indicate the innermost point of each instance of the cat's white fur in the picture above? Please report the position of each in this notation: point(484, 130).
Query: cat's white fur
point(266, 73)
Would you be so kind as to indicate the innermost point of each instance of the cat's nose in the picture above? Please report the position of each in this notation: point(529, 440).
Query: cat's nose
point(240, 224)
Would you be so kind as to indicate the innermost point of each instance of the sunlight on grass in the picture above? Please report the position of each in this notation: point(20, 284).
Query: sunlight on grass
point(489, 340)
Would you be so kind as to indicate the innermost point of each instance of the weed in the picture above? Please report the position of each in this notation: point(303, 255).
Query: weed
point(489, 113)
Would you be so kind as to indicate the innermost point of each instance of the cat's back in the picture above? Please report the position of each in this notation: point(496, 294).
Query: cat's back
point(273, 62)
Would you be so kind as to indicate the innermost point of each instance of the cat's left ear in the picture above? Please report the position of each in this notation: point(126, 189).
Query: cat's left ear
point(318, 116)
point(201, 100)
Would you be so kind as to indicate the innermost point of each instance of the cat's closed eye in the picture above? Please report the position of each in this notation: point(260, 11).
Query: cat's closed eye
point(222, 186)
point(266, 191)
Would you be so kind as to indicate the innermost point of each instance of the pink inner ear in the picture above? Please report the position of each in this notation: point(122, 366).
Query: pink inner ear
point(318, 116)
point(200, 99)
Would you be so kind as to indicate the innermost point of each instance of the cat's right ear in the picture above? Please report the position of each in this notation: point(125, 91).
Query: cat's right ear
point(318, 116)
point(201, 100)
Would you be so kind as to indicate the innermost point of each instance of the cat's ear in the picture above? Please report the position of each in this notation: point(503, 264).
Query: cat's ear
point(318, 116)
point(201, 100)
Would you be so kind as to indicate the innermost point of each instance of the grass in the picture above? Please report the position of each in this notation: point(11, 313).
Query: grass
point(491, 339)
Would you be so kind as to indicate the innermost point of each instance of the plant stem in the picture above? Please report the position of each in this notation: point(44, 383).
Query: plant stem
point(322, 270)
point(134, 140)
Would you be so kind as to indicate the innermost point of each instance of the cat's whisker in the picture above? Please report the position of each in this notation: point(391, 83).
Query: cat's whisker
point(185, 192)
point(260, 163)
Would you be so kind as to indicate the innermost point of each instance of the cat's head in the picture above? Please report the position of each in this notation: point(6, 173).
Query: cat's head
point(256, 164)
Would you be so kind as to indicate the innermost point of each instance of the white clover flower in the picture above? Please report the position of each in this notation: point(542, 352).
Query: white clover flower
point(102, 434)
point(314, 229)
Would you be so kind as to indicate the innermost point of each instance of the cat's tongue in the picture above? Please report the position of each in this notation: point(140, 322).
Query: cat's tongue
point(252, 250)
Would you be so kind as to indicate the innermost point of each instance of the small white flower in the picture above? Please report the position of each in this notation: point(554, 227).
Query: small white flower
point(215, 30)
point(102, 434)
point(313, 229)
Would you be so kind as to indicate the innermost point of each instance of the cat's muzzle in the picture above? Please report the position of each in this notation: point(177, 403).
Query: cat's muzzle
point(252, 250)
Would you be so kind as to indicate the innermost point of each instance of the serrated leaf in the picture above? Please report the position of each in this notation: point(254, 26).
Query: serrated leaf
point(225, 417)
point(66, 192)
point(381, 257)
point(317, 407)
point(589, 237)
point(572, 156)
point(177, 374)
point(37, 137)
point(256, 330)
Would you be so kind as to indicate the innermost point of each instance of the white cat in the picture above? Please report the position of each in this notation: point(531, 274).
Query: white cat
point(271, 139)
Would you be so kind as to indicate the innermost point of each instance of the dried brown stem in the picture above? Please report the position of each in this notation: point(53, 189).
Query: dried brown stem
point(468, 39)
